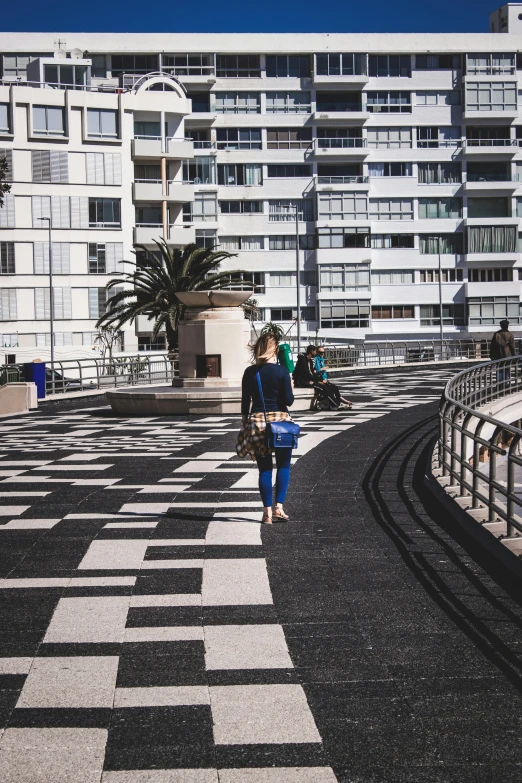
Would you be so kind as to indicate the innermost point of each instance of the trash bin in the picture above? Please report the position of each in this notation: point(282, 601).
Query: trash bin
point(284, 356)
point(34, 372)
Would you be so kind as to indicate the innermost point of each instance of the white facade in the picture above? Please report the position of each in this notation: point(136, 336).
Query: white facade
point(393, 146)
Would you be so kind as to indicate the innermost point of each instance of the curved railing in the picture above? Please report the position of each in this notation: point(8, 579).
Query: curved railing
point(478, 453)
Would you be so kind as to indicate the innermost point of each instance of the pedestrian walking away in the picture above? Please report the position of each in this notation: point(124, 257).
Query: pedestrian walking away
point(502, 346)
point(322, 371)
point(278, 395)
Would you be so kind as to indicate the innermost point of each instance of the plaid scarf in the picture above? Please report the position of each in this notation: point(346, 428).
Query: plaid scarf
point(251, 436)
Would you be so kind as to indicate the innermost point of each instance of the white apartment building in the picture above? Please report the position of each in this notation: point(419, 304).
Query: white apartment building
point(393, 149)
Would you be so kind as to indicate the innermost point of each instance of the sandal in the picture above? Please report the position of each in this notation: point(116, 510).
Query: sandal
point(266, 520)
point(280, 515)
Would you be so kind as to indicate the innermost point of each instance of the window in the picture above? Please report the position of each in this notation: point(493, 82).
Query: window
point(288, 103)
point(48, 121)
point(393, 277)
point(200, 171)
point(8, 304)
point(433, 137)
point(240, 174)
point(200, 102)
point(393, 312)
point(389, 65)
point(345, 314)
point(188, 64)
point(338, 101)
point(452, 315)
point(103, 168)
point(489, 207)
point(64, 212)
point(291, 65)
point(206, 237)
point(387, 241)
point(492, 309)
point(492, 239)
point(203, 208)
point(238, 138)
point(340, 137)
point(105, 258)
point(7, 155)
point(102, 123)
point(489, 171)
point(491, 96)
point(134, 63)
point(61, 258)
point(241, 243)
point(149, 215)
point(289, 138)
point(446, 244)
point(4, 118)
point(15, 66)
point(283, 210)
point(388, 102)
point(447, 173)
point(146, 343)
point(281, 242)
point(237, 103)
point(147, 130)
point(391, 209)
point(49, 166)
point(435, 62)
point(340, 174)
point(240, 207)
point(342, 206)
point(290, 314)
point(433, 98)
point(7, 212)
point(398, 169)
point(343, 237)
point(498, 275)
point(448, 275)
point(238, 66)
point(104, 213)
point(98, 301)
point(9, 340)
point(344, 277)
point(282, 279)
point(340, 64)
point(292, 170)
point(99, 66)
point(490, 64)
point(201, 139)
point(430, 208)
point(62, 308)
point(7, 258)
point(308, 277)
point(389, 138)
point(66, 75)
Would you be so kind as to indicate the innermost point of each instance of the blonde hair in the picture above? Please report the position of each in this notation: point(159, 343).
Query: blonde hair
point(265, 348)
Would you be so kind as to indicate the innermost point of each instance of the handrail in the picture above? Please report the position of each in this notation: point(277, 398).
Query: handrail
point(469, 436)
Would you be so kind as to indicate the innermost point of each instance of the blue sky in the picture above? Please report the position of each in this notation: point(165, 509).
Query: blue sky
point(270, 16)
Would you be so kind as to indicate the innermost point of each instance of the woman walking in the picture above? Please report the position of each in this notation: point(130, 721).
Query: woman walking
point(278, 395)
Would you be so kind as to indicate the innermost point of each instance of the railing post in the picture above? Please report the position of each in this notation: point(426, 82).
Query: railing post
point(510, 529)
point(492, 495)
point(463, 462)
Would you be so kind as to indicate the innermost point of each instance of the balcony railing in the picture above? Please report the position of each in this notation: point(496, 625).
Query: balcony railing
point(301, 108)
point(491, 70)
point(335, 142)
point(114, 88)
point(507, 177)
point(342, 180)
point(438, 143)
point(492, 142)
point(339, 107)
point(190, 70)
point(203, 145)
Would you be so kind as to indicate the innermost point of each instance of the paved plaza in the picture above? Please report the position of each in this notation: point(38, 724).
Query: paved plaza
point(152, 631)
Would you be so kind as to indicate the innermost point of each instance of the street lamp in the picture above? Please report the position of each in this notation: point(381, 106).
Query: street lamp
point(440, 305)
point(51, 301)
point(298, 298)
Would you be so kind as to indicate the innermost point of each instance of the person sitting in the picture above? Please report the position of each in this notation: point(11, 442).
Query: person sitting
point(304, 374)
point(331, 389)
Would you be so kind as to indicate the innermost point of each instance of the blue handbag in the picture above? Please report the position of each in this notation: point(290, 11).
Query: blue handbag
point(278, 434)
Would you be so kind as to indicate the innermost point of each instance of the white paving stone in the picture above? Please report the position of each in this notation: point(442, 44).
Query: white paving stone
point(92, 619)
point(234, 582)
point(30, 524)
point(118, 554)
point(162, 776)
point(165, 633)
point(15, 665)
point(246, 647)
point(278, 775)
point(80, 681)
point(261, 714)
point(233, 533)
point(181, 599)
point(167, 696)
point(152, 565)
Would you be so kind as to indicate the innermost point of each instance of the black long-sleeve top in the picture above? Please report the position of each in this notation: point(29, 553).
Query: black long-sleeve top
point(277, 389)
point(303, 375)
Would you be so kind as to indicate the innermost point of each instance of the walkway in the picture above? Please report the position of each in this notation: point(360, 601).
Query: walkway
point(152, 632)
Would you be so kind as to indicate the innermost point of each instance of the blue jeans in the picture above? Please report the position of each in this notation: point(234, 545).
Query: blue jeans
point(283, 457)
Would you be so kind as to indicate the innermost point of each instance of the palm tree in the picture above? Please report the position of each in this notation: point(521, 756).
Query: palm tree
point(157, 277)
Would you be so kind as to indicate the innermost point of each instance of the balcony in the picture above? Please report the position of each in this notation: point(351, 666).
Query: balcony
point(493, 183)
point(147, 190)
point(355, 80)
point(334, 147)
point(326, 183)
point(491, 146)
point(504, 288)
point(151, 147)
point(181, 192)
point(147, 233)
point(180, 234)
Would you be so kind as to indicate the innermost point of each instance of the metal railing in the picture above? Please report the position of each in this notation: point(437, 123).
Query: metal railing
point(334, 142)
point(478, 453)
point(343, 180)
point(75, 375)
point(394, 353)
point(491, 142)
point(9, 373)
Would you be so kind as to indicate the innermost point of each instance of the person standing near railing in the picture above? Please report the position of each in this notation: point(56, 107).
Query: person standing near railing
point(502, 346)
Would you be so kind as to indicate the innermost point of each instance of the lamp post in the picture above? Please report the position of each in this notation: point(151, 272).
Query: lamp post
point(51, 301)
point(298, 302)
point(440, 305)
